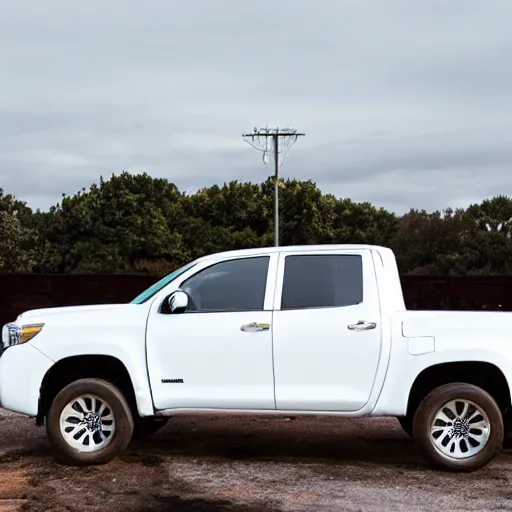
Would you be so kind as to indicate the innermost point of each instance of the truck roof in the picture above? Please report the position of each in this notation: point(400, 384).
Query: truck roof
point(301, 248)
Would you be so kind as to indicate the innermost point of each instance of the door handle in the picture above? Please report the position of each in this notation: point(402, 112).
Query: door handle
point(362, 326)
point(255, 327)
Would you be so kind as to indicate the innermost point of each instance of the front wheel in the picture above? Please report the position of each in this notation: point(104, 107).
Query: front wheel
point(458, 427)
point(89, 422)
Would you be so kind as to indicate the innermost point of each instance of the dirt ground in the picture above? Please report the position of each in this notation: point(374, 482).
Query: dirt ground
point(245, 464)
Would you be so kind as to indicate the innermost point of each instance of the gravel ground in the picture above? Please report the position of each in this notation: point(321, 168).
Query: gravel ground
point(244, 464)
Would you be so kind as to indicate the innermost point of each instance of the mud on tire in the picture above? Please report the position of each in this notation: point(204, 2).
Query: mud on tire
point(458, 427)
point(89, 422)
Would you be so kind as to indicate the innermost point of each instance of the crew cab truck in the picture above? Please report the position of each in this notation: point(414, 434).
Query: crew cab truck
point(316, 330)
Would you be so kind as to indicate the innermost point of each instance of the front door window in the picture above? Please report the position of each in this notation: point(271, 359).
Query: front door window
point(235, 285)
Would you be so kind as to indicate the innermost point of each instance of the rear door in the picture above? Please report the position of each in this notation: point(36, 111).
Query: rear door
point(327, 330)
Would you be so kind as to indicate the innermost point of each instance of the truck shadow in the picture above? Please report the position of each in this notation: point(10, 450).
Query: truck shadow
point(276, 440)
point(326, 441)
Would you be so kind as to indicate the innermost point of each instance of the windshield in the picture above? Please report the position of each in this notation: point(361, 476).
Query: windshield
point(155, 288)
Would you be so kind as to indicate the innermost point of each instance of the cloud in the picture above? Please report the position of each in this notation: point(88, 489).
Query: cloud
point(403, 104)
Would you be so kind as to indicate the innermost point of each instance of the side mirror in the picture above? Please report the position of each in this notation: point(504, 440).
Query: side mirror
point(178, 302)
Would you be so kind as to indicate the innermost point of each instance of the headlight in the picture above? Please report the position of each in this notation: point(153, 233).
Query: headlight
point(13, 334)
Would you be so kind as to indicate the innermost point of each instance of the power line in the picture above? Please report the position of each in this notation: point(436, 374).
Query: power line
point(260, 139)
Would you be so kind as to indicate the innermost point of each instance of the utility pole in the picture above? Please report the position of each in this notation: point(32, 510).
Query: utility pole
point(260, 139)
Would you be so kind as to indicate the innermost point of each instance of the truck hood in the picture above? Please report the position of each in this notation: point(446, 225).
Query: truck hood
point(40, 315)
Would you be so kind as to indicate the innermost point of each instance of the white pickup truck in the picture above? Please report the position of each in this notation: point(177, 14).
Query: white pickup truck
point(317, 330)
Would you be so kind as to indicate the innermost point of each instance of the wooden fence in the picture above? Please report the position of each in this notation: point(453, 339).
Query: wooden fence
point(20, 293)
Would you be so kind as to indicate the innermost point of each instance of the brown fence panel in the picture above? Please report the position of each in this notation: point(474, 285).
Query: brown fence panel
point(20, 292)
point(458, 293)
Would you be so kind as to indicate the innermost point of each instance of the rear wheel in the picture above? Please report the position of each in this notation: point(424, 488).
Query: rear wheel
point(89, 422)
point(458, 427)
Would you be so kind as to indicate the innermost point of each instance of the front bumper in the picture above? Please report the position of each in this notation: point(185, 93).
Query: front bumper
point(22, 369)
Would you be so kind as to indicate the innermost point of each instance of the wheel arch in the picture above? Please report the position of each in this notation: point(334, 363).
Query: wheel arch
point(72, 368)
point(485, 375)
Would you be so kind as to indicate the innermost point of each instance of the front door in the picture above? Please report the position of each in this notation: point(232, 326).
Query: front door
point(324, 360)
point(218, 353)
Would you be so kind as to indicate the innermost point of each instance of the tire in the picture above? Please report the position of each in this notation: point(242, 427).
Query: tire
point(435, 442)
point(106, 438)
point(406, 424)
point(145, 427)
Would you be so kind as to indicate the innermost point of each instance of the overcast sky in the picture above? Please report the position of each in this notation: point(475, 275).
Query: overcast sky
point(404, 103)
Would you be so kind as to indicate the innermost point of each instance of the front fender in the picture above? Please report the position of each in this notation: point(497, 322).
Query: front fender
point(136, 371)
point(125, 343)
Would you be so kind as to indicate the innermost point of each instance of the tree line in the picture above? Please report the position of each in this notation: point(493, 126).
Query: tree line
point(140, 224)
